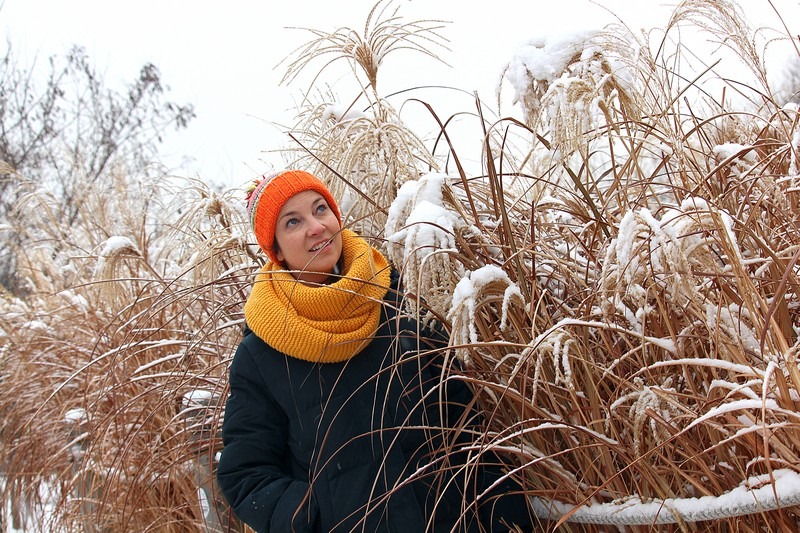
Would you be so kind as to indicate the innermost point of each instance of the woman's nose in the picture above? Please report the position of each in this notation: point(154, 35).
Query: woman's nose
point(315, 227)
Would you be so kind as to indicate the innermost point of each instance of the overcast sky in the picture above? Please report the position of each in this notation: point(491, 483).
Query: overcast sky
point(221, 56)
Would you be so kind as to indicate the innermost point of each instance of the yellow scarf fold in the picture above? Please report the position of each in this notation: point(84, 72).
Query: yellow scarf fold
point(326, 323)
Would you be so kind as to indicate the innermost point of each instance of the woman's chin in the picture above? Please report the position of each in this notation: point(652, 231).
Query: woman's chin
point(315, 272)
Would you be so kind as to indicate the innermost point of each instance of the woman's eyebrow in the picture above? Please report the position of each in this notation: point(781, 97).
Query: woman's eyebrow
point(292, 213)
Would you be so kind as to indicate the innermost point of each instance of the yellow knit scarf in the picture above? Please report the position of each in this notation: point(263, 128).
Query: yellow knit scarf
point(327, 323)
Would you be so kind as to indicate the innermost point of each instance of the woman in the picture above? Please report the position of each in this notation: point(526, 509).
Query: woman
point(335, 422)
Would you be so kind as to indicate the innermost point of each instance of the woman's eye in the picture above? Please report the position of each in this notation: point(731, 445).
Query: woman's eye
point(291, 222)
point(321, 208)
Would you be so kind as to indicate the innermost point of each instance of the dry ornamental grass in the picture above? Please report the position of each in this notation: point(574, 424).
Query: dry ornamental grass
point(619, 279)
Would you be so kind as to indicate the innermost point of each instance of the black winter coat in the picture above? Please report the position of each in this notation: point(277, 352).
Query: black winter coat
point(316, 447)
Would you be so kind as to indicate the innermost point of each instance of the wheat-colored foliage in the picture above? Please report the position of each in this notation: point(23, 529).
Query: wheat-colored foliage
point(360, 146)
point(384, 32)
point(619, 280)
point(364, 157)
point(647, 346)
point(101, 360)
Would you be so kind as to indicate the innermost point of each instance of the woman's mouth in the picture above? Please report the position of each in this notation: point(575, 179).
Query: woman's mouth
point(319, 246)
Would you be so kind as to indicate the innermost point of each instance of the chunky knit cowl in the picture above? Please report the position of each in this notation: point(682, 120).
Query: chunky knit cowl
point(325, 323)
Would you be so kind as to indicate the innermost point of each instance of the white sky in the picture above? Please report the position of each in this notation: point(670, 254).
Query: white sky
point(223, 59)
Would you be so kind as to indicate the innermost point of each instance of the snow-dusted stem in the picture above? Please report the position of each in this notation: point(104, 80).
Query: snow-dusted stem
point(782, 492)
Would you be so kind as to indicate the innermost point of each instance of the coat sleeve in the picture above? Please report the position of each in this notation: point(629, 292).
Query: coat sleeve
point(252, 471)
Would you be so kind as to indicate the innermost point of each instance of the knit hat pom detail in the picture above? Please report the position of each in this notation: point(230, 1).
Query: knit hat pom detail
point(265, 198)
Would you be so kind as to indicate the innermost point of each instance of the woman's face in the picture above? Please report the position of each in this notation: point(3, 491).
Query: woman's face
point(308, 237)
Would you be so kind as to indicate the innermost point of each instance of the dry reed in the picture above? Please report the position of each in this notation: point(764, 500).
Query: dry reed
point(115, 363)
point(619, 281)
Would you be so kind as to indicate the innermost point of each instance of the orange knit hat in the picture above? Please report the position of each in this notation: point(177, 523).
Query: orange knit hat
point(265, 200)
